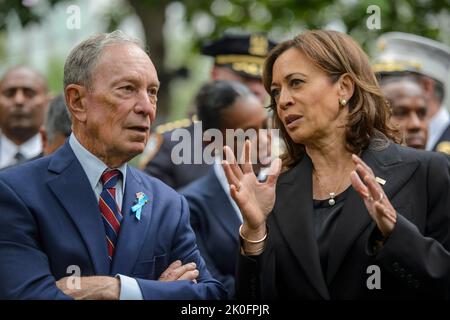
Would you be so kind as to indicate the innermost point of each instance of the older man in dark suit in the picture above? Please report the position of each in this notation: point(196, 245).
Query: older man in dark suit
point(83, 209)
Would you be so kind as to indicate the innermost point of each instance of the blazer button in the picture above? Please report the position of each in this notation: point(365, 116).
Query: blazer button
point(395, 266)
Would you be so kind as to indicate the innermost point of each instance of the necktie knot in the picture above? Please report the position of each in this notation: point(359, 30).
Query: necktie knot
point(109, 178)
point(19, 157)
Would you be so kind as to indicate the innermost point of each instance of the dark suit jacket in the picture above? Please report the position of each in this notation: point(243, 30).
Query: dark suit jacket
point(414, 261)
point(445, 137)
point(176, 175)
point(216, 227)
point(50, 220)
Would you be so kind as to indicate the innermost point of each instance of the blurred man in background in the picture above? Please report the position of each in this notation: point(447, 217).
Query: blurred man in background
point(57, 126)
point(215, 217)
point(409, 108)
point(23, 102)
point(83, 206)
point(236, 57)
point(429, 62)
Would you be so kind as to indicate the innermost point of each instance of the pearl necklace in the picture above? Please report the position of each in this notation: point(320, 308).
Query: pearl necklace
point(331, 200)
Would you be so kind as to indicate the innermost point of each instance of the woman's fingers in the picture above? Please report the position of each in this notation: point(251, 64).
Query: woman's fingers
point(231, 159)
point(234, 194)
point(357, 160)
point(231, 177)
point(376, 192)
point(358, 185)
point(383, 211)
point(274, 172)
point(247, 166)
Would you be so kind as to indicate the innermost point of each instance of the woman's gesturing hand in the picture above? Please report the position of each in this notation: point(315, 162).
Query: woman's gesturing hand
point(376, 201)
point(255, 199)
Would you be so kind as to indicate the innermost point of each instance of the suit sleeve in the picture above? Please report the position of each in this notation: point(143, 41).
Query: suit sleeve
point(255, 275)
point(185, 249)
point(422, 262)
point(196, 214)
point(24, 267)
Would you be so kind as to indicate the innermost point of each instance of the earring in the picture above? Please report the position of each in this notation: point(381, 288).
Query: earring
point(342, 102)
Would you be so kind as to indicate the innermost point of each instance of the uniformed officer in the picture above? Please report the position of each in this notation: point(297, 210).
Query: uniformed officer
point(429, 61)
point(236, 57)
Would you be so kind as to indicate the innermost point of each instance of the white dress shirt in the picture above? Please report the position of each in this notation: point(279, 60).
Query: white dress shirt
point(220, 174)
point(8, 149)
point(94, 168)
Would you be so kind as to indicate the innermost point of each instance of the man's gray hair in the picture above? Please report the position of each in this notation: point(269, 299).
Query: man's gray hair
point(58, 119)
point(83, 59)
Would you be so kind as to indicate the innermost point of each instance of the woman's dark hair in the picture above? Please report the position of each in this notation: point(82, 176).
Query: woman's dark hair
point(216, 96)
point(336, 54)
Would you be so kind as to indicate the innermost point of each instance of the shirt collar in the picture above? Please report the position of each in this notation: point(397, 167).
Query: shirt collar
point(93, 166)
point(32, 147)
point(7, 147)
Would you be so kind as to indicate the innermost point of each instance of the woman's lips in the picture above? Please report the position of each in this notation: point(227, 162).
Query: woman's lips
point(292, 120)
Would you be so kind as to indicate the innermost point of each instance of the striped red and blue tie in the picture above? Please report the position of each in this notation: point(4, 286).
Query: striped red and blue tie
point(110, 210)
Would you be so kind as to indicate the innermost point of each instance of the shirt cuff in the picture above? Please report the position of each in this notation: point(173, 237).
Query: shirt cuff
point(129, 288)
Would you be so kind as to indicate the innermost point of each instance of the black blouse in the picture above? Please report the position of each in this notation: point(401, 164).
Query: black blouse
point(325, 217)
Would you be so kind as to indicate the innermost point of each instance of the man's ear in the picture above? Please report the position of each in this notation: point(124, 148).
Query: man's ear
point(346, 87)
point(75, 94)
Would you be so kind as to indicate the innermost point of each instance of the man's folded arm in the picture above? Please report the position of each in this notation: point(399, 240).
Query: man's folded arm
point(185, 249)
point(24, 267)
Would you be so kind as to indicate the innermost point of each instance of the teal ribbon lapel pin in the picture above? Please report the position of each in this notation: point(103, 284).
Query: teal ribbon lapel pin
point(141, 200)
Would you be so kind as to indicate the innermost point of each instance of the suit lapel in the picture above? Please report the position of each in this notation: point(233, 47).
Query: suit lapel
point(354, 218)
point(72, 188)
point(294, 215)
point(224, 211)
point(133, 232)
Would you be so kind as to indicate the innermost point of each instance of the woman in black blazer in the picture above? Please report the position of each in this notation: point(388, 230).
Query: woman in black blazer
point(354, 215)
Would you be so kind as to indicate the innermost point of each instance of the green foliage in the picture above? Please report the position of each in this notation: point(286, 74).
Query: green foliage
point(55, 73)
point(423, 17)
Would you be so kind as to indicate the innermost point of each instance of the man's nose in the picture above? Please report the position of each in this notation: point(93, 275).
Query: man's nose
point(414, 122)
point(19, 97)
point(147, 106)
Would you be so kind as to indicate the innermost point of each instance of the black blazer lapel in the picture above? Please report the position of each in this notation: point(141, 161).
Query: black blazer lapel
point(386, 164)
point(294, 215)
point(132, 231)
point(71, 187)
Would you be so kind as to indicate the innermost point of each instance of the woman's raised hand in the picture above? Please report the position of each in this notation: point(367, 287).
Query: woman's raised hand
point(255, 199)
point(376, 201)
